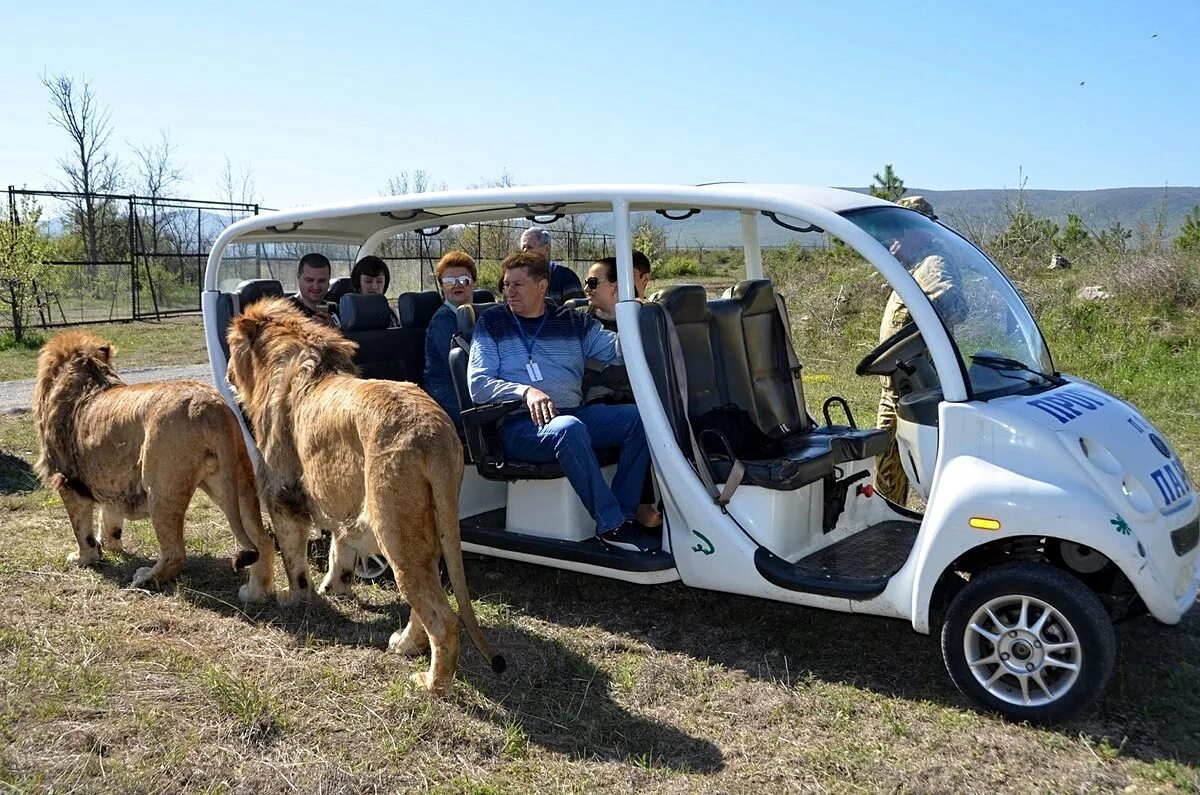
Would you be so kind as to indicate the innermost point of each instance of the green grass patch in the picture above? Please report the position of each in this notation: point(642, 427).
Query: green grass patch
point(173, 341)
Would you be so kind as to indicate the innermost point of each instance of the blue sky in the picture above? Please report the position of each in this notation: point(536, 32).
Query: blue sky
point(325, 104)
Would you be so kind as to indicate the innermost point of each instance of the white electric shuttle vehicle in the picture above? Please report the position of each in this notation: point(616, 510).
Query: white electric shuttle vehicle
point(1053, 508)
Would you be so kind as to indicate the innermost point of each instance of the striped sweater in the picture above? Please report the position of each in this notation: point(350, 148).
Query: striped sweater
point(497, 369)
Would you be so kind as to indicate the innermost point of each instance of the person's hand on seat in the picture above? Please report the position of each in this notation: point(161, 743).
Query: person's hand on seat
point(541, 407)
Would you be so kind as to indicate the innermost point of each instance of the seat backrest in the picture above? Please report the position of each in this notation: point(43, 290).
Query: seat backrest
point(339, 287)
point(482, 296)
point(753, 351)
point(367, 320)
point(417, 309)
point(251, 290)
point(687, 306)
point(575, 303)
point(224, 317)
point(467, 315)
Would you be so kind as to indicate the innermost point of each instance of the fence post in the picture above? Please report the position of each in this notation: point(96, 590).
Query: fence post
point(133, 277)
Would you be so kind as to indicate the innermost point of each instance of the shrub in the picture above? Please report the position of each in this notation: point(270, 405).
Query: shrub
point(681, 266)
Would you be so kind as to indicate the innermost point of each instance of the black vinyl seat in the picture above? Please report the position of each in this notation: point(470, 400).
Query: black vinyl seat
point(481, 423)
point(367, 320)
point(415, 311)
point(731, 360)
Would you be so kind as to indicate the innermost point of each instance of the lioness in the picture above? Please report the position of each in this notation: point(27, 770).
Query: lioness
point(356, 457)
point(139, 451)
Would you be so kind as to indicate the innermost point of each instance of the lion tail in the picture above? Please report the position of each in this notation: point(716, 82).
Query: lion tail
point(236, 476)
point(445, 510)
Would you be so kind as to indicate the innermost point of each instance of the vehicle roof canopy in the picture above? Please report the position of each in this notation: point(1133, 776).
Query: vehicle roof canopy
point(354, 222)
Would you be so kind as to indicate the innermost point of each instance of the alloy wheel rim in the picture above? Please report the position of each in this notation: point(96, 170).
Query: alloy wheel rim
point(1022, 650)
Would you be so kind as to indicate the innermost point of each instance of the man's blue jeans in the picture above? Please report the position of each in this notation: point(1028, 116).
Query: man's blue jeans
point(571, 439)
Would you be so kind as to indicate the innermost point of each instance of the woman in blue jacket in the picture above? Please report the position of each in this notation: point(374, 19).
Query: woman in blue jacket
point(456, 274)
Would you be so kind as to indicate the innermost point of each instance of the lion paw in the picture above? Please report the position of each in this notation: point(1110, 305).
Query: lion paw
point(252, 592)
point(335, 586)
point(426, 682)
point(142, 576)
point(291, 596)
point(404, 642)
point(83, 558)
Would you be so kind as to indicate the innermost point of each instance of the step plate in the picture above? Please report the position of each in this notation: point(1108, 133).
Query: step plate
point(857, 567)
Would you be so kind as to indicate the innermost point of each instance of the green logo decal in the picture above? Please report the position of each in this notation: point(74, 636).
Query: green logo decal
point(701, 548)
point(1122, 526)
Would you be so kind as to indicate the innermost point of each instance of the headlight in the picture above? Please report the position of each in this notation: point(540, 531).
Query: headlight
point(1099, 457)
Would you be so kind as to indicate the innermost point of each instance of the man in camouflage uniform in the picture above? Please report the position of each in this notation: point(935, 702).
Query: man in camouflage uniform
point(940, 280)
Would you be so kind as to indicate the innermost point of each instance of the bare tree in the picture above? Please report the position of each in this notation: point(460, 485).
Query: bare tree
point(90, 168)
point(236, 187)
point(157, 175)
point(415, 181)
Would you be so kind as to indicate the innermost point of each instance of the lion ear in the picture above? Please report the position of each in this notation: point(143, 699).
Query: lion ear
point(106, 352)
point(246, 327)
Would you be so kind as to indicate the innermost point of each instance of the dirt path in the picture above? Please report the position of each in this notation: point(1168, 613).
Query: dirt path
point(17, 396)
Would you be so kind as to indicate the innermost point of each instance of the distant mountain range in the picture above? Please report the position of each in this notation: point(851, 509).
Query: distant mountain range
point(983, 210)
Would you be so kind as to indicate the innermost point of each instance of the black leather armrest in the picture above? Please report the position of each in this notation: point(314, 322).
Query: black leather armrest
point(490, 412)
point(480, 428)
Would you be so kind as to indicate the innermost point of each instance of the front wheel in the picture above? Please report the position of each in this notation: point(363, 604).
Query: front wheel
point(1028, 641)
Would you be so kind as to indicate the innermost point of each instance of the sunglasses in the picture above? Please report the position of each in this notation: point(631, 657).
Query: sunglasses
point(451, 281)
point(592, 282)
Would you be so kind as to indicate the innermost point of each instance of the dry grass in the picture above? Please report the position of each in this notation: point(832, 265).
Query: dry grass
point(610, 686)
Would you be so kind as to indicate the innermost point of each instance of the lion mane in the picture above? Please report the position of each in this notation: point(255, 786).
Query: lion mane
point(377, 463)
point(142, 451)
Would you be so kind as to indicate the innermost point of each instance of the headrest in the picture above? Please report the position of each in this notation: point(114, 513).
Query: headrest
point(686, 303)
point(416, 309)
point(483, 297)
point(756, 296)
point(364, 312)
point(467, 315)
point(339, 287)
point(575, 303)
point(252, 290)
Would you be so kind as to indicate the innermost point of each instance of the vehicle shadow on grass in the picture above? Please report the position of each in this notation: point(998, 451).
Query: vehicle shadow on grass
point(1153, 701)
point(558, 697)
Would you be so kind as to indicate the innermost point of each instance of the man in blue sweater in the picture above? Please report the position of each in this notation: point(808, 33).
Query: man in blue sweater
point(535, 351)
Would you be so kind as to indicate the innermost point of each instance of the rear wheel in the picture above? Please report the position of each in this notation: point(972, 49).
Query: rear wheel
point(1028, 641)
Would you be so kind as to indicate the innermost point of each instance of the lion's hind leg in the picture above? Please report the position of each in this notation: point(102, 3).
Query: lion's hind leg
point(234, 494)
point(343, 552)
point(112, 524)
point(414, 557)
point(81, 511)
point(167, 513)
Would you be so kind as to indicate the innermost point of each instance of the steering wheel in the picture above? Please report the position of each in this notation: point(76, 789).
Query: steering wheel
point(889, 356)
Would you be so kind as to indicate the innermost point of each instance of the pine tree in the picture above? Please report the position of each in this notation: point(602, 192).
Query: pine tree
point(1189, 236)
point(887, 185)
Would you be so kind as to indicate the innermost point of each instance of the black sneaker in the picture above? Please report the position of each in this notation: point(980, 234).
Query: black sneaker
point(626, 537)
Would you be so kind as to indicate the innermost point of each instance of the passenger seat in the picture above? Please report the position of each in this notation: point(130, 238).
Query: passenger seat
point(367, 320)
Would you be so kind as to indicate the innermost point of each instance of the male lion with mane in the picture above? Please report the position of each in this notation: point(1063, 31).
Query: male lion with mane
point(377, 463)
point(139, 451)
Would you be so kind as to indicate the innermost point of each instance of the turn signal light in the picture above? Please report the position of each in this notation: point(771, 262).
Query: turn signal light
point(983, 523)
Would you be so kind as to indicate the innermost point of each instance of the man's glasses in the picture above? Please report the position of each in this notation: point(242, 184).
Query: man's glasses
point(592, 282)
point(452, 281)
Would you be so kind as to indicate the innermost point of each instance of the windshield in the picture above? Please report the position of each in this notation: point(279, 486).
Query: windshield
point(994, 332)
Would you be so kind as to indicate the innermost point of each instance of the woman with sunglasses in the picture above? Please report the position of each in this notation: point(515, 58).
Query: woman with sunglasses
point(601, 287)
point(456, 275)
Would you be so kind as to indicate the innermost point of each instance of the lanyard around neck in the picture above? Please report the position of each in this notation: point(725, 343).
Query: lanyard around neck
point(529, 343)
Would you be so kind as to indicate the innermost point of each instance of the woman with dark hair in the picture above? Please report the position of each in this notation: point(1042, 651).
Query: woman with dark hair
point(370, 276)
point(456, 275)
point(601, 287)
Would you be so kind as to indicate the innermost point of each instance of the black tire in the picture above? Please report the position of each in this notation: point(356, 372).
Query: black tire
point(1077, 621)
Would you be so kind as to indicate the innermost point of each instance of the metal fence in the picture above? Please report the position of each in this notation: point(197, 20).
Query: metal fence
point(127, 257)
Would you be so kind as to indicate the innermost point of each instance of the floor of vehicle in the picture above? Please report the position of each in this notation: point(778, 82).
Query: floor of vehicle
point(857, 567)
point(487, 529)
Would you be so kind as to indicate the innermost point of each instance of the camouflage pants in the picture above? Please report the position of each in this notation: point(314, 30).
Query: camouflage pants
point(890, 479)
